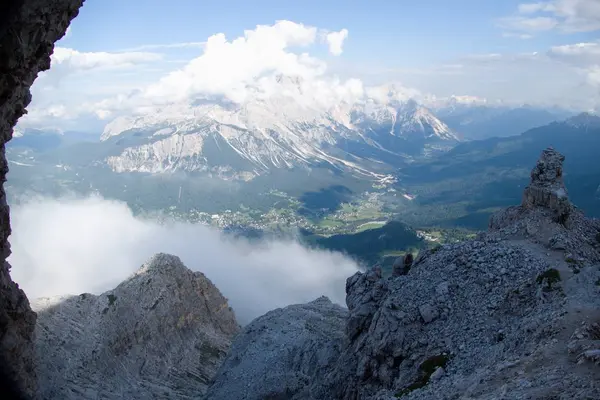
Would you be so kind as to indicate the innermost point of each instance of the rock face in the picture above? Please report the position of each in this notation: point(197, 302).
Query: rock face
point(546, 191)
point(547, 188)
point(512, 314)
point(160, 334)
point(28, 30)
point(281, 354)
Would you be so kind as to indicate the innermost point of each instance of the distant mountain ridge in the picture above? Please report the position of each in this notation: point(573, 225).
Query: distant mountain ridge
point(247, 139)
point(476, 177)
point(482, 122)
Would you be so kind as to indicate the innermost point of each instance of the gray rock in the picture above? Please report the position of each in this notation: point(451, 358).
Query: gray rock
point(162, 333)
point(547, 188)
point(402, 265)
point(461, 312)
point(437, 374)
point(428, 313)
point(281, 354)
point(28, 30)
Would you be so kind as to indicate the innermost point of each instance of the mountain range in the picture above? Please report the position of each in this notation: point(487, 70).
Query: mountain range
point(479, 177)
point(245, 151)
point(242, 141)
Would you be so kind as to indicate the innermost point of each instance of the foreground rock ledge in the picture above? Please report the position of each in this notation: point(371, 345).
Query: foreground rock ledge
point(28, 30)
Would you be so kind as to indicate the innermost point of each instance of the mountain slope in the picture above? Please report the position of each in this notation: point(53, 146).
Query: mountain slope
point(512, 314)
point(263, 134)
point(466, 184)
point(483, 122)
point(160, 334)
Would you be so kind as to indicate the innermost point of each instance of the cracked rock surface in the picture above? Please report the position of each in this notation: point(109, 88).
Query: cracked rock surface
point(162, 333)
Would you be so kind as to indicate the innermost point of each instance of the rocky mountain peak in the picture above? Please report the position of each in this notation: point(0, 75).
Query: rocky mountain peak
point(162, 264)
point(161, 333)
point(585, 119)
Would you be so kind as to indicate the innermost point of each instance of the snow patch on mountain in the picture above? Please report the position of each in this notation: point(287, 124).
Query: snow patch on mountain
point(279, 131)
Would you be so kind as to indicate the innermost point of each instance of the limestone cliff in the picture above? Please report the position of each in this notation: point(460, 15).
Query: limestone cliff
point(513, 314)
point(160, 334)
point(28, 30)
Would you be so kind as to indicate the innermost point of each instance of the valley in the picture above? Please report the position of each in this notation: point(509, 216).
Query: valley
point(423, 193)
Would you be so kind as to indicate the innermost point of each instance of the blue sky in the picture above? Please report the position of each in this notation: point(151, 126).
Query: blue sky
point(502, 50)
point(406, 33)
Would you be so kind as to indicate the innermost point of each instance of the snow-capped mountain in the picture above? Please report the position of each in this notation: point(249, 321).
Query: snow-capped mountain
point(245, 140)
point(407, 119)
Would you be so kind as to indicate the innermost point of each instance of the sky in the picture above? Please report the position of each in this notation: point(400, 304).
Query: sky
point(127, 57)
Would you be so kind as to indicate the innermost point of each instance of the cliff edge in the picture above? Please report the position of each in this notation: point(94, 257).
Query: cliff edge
point(28, 30)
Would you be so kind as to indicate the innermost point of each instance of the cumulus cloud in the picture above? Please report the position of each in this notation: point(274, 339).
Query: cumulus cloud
point(335, 40)
point(266, 63)
point(565, 15)
point(75, 245)
point(247, 65)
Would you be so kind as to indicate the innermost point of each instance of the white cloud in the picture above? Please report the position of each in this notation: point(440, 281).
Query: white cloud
point(593, 76)
point(579, 54)
point(528, 24)
point(389, 93)
point(181, 45)
point(531, 8)
point(565, 15)
point(78, 80)
point(335, 40)
point(70, 246)
point(247, 67)
point(66, 60)
point(244, 65)
point(523, 36)
point(537, 78)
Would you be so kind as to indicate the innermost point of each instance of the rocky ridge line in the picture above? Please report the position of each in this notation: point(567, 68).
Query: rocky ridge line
point(162, 333)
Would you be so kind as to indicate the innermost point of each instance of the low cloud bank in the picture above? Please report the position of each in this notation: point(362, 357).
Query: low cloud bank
point(74, 245)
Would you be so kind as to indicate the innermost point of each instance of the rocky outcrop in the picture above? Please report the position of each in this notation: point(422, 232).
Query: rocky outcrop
point(512, 314)
point(28, 30)
point(160, 334)
point(281, 354)
point(547, 217)
point(402, 265)
point(546, 191)
point(547, 188)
